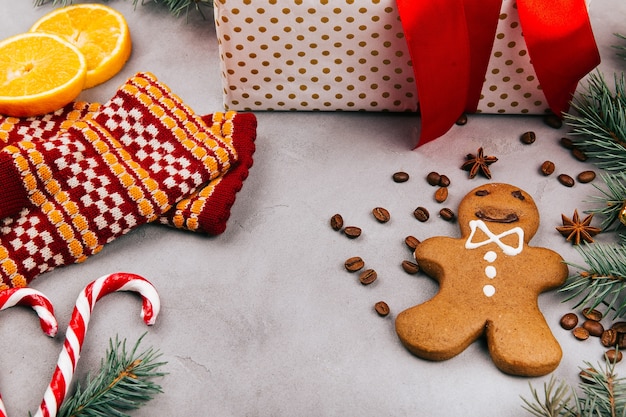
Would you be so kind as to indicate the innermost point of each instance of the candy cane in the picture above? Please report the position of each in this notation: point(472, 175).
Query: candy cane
point(75, 334)
point(38, 302)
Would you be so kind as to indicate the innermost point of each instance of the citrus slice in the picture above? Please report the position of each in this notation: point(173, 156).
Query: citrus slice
point(39, 73)
point(100, 32)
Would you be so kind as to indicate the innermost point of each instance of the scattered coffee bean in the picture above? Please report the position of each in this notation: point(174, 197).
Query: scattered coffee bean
point(410, 267)
point(441, 194)
point(352, 232)
point(613, 355)
point(619, 326)
point(381, 308)
point(433, 178)
point(354, 264)
point(547, 168)
point(580, 333)
point(444, 181)
point(567, 143)
point(447, 214)
point(586, 176)
point(336, 222)
point(578, 154)
point(462, 120)
point(566, 180)
point(528, 138)
point(400, 176)
point(553, 121)
point(411, 242)
point(594, 328)
point(608, 338)
point(569, 321)
point(421, 214)
point(381, 214)
point(592, 314)
point(586, 375)
point(621, 341)
point(368, 276)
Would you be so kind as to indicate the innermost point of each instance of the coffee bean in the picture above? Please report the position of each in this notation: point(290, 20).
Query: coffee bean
point(619, 327)
point(567, 143)
point(580, 333)
point(594, 328)
point(336, 222)
point(444, 181)
point(447, 214)
point(411, 242)
point(421, 214)
point(368, 276)
point(621, 340)
point(441, 194)
point(553, 121)
point(400, 176)
point(352, 232)
point(433, 178)
point(381, 308)
point(462, 120)
point(608, 338)
point(613, 355)
point(410, 267)
point(592, 314)
point(569, 321)
point(547, 168)
point(566, 180)
point(586, 176)
point(354, 264)
point(578, 154)
point(381, 214)
point(528, 138)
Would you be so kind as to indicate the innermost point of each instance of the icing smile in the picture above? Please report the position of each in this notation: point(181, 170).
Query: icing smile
point(494, 215)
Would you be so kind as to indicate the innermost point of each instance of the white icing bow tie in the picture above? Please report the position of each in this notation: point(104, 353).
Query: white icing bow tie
point(493, 238)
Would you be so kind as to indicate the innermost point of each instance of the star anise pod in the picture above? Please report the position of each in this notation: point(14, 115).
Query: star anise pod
point(478, 163)
point(576, 231)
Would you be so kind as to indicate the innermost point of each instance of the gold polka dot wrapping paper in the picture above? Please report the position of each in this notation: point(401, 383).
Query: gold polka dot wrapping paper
point(349, 55)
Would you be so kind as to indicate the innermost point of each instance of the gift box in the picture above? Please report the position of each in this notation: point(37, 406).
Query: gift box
point(438, 57)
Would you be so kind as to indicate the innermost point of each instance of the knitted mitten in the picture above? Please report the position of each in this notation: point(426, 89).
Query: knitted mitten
point(205, 211)
point(67, 196)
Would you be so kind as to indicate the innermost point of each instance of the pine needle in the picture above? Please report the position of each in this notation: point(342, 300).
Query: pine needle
point(602, 281)
point(612, 200)
point(599, 128)
point(123, 383)
point(556, 401)
point(175, 7)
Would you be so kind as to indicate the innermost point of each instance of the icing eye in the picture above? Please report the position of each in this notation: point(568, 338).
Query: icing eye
point(518, 194)
point(481, 193)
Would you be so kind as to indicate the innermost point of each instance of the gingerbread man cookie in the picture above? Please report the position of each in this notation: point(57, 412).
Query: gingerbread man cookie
point(489, 282)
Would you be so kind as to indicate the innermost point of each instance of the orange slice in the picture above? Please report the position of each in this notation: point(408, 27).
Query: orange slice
point(39, 73)
point(100, 32)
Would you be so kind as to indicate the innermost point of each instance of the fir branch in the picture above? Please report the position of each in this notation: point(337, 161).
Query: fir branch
point(611, 201)
point(602, 281)
point(621, 48)
point(599, 128)
point(556, 402)
point(123, 383)
point(603, 394)
point(175, 7)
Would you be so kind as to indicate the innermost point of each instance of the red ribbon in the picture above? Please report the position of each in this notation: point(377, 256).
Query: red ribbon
point(450, 43)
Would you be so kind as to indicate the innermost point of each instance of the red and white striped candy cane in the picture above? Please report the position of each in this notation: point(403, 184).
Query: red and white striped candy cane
point(38, 302)
point(75, 334)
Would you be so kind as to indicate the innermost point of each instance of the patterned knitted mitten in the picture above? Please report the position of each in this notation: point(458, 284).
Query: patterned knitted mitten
point(67, 196)
point(205, 211)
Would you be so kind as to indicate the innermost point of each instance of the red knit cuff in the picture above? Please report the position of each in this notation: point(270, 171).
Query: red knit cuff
point(13, 195)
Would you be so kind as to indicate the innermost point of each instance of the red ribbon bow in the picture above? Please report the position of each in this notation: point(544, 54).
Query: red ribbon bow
point(450, 43)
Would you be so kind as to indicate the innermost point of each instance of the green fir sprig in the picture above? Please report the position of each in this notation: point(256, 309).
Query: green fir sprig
point(123, 383)
point(602, 280)
point(175, 7)
point(603, 394)
point(611, 200)
point(599, 127)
